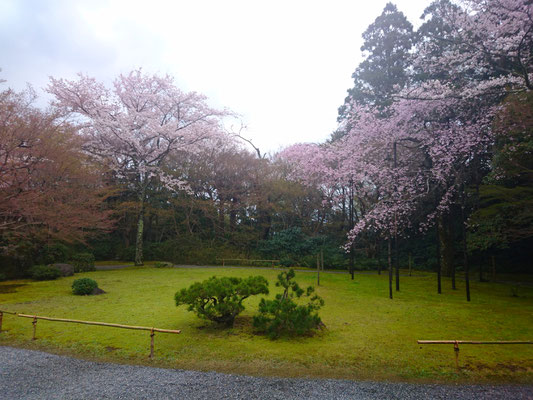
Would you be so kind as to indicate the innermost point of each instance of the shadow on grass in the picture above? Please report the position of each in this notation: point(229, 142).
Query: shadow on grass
point(12, 288)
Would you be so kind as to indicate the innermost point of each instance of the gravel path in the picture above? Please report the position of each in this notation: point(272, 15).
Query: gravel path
point(28, 374)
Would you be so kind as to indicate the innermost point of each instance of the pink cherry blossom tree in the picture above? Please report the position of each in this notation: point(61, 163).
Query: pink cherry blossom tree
point(417, 154)
point(133, 127)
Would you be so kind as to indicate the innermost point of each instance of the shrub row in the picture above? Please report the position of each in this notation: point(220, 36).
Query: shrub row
point(81, 262)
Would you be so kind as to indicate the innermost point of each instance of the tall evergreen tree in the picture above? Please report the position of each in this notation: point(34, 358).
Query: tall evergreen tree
point(385, 70)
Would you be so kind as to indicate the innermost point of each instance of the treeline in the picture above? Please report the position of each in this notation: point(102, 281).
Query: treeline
point(434, 136)
point(432, 146)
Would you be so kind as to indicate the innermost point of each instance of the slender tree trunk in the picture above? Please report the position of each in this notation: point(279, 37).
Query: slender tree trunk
point(439, 287)
point(389, 256)
point(465, 254)
point(352, 262)
point(221, 217)
point(396, 262)
point(453, 278)
point(493, 268)
point(351, 216)
point(344, 209)
point(445, 228)
point(140, 230)
point(317, 270)
point(379, 259)
point(481, 271)
point(410, 263)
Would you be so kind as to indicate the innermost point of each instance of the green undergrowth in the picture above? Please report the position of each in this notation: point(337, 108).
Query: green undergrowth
point(367, 335)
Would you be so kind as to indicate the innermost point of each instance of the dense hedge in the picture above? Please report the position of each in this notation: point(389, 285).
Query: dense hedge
point(45, 272)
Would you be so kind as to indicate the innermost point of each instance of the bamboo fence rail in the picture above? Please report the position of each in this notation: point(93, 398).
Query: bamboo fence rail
point(35, 318)
point(456, 344)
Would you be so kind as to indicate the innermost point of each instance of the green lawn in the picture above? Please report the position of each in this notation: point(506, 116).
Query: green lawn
point(368, 336)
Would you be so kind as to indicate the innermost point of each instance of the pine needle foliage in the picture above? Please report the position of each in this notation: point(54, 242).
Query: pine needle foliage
point(220, 299)
point(283, 316)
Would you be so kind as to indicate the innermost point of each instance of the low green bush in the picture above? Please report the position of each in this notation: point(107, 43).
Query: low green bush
point(162, 264)
point(220, 299)
point(84, 286)
point(286, 262)
point(83, 262)
point(282, 316)
point(2, 277)
point(44, 272)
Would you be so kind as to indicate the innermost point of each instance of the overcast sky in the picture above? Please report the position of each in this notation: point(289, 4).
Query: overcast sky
point(284, 66)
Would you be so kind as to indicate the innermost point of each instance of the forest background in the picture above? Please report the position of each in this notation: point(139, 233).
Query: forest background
point(143, 171)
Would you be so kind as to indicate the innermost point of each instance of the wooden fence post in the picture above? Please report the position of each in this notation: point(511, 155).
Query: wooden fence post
point(456, 350)
point(1, 317)
point(152, 334)
point(34, 323)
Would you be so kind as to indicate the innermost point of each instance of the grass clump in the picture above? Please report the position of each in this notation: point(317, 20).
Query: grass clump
point(84, 286)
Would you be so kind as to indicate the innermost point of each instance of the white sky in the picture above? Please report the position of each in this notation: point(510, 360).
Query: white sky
point(284, 66)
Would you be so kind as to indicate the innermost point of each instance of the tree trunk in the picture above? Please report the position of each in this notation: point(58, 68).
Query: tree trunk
point(317, 270)
point(493, 268)
point(379, 259)
point(396, 262)
point(221, 218)
point(410, 263)
point(233, 215)
point(439, 287)
point(445, 228)
point(352, 261)
point(140, 231)
point(389, 251)
point(465, 255)
point(351, 216)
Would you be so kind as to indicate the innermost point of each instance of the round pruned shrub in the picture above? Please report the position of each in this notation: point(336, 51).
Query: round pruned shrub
point(83, 262)
point(44, 272)
point(84, 286)
point(220, 299)
point(282, 316)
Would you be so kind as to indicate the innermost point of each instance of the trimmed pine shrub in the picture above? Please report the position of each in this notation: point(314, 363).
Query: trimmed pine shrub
point(282, 316)
point(220, 299)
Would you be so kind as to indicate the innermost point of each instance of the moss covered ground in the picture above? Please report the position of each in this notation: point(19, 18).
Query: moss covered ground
point(367, 335)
